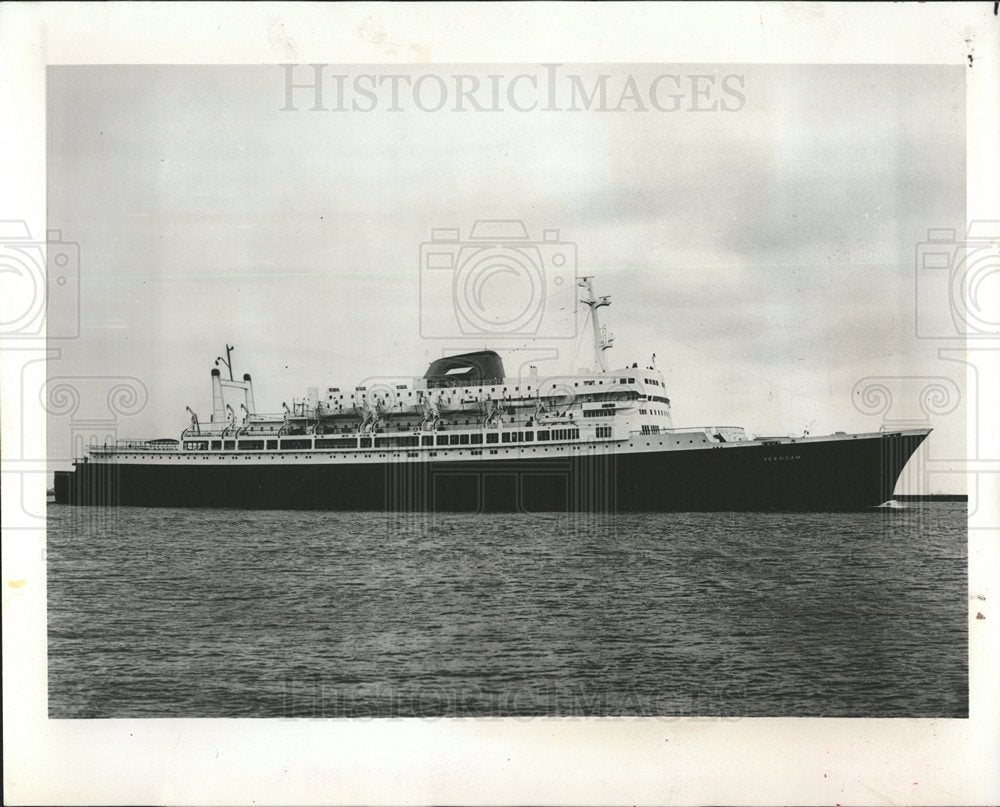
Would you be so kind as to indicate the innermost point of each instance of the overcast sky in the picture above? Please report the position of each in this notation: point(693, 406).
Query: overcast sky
point(763, 251)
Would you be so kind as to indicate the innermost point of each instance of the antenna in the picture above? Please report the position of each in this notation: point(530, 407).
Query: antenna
point(602, 341)
point(228, 361)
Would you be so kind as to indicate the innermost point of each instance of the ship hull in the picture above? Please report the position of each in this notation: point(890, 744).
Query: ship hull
point(849, 473)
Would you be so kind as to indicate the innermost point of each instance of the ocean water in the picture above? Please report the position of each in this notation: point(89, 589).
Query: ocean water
point(229, 613)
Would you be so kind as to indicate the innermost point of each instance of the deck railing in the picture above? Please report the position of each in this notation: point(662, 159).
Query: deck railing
point(137, 445)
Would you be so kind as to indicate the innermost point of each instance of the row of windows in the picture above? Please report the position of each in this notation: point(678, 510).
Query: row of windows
point(541, 435)
point(602, 431)
point(591, 383)
point(395, 441)
point(599, 413)
point(436, 384)
point(446, 383)
point(654, 429)
point(611, 395)
point(459, 439)
point(294, 444)
point(399, 441)
point(619, 395)
point(335, 442)
point(401, 387)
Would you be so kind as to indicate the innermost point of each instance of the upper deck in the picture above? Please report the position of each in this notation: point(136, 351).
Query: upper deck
point(465, 402)
point(454, 417)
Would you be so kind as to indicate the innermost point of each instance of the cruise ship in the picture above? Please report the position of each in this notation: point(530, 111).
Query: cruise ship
point(467, 437)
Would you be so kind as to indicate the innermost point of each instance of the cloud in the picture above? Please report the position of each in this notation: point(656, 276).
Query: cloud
point(755, 252)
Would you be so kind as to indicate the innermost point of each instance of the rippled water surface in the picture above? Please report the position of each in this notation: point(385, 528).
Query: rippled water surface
point(227, 613)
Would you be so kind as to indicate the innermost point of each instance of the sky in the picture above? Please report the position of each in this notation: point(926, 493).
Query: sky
point(756, 227)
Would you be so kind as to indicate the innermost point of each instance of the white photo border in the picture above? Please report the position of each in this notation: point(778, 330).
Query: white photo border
point(543, 760)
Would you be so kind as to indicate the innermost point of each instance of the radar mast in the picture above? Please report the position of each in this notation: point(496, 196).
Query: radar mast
point(602, 341)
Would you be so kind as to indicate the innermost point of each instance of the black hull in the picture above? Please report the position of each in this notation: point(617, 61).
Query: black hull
point(852, 473)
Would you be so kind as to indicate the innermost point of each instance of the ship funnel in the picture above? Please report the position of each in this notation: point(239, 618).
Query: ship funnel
point(218, 407)
point(249, 393)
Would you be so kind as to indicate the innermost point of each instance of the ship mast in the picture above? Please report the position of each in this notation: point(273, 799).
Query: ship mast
point(228, 361)
point(602, 341)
